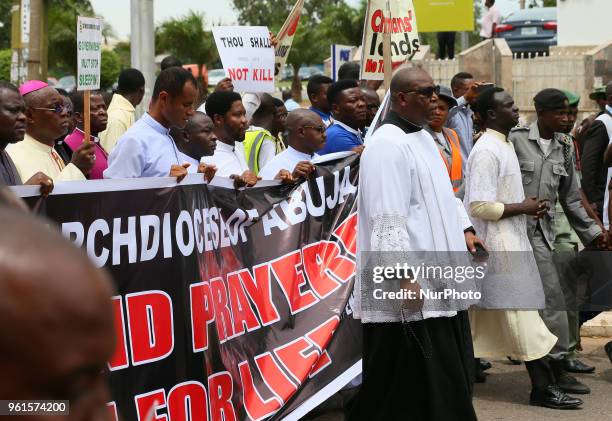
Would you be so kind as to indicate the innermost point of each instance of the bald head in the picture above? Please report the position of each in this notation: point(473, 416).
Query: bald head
point(408, 79)
point(198, 138)
point(306, 131)
point(413, 95)
point(57, 322)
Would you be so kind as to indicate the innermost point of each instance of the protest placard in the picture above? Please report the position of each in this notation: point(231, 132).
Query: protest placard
point(445, 16)
point(285, 37)
point(247, 56)
point(89, 44)
point(340, 54)
point(394, 17)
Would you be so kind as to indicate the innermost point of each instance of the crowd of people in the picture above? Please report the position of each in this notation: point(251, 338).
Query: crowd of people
point(447, 168)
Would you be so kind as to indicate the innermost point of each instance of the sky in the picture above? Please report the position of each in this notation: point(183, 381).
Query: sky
point(117, 12)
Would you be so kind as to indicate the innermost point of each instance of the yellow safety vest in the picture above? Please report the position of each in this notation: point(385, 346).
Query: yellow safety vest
point(253, 139)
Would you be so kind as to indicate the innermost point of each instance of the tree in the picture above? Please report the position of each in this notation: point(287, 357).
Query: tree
point(322, 22)
point(5, 23)
point(110, 67)
point(186, 39)
point(5, 64)
point(123, 51)
point(61, 18)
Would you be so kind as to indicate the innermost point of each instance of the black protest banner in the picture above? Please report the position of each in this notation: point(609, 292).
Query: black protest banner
point(230, 304)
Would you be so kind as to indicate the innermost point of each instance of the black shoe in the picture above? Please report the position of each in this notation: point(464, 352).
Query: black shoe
point(485, 365)
point(554, 398)
point(569, 384)
point(608, 348)
point(577, 366)
point(514, 362)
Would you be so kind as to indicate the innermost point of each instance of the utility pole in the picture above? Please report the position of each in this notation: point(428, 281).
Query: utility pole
point(142, 50)
point(38, 51)
point(522, 3)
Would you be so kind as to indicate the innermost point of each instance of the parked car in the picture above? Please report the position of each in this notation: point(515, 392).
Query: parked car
point(306, 73)
point(530, 30)
point(67, 83)
point(215, 76)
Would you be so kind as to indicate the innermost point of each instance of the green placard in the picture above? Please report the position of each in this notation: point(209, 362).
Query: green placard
point(444, 15)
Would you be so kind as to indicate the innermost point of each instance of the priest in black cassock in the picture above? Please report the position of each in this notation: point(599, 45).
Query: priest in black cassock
point(12, 130)
point(417, 357)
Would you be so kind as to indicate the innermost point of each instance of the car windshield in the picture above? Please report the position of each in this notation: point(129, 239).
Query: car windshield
point(217, 72)
point(538, 13)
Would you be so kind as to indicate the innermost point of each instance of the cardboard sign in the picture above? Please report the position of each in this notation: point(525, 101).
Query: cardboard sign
point(399, 21)
point(340, 54)
point(447, 15)
point(285, 37)
point(247, 56)
point(89, 44)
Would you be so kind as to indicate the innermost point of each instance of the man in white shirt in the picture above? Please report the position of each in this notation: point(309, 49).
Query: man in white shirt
point(490, 20)
point(306, 136)
point(229, 118)
point(146, 149)
point(416, 359)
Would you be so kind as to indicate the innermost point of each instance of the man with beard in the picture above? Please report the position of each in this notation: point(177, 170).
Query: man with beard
point(146, 149)
point(227, 112)
point(47, 120)
point(12, 130)
point(348, 108)
point(416, 359)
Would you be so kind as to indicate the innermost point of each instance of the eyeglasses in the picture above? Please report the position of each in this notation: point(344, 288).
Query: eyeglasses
point(320, 129)
point(427, 92)
point(57, 109)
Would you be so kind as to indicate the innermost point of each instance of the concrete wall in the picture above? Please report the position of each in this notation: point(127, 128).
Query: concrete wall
point(584, 22)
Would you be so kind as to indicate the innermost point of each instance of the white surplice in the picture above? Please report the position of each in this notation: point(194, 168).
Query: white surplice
point(406, 203)
point(493, 175)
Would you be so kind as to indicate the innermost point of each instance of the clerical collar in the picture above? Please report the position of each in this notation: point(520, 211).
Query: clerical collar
point(225, 147)
point(155, 125)
point(395, 119)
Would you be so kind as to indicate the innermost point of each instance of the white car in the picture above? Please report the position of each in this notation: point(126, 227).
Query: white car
point(215, 76)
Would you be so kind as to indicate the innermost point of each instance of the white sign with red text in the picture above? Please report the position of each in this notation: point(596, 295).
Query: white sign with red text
point(247, 56)
point(400, 22)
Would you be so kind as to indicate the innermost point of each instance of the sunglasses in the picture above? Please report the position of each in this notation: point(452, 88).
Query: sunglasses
point(320, 129)
point(57, 109)
point(427, 92)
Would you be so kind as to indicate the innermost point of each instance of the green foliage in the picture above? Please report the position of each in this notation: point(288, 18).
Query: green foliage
point(110, 67)
point(323, 22)
point(186, 39)
point(61, 32)
point(5, 23)
point(122, 49)
point(5, 64)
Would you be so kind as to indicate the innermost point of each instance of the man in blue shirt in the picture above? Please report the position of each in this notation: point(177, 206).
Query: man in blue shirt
point(317, 94)
point(146, 149)
point(348, 106)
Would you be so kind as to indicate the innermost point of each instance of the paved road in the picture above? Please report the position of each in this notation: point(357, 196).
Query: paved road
point(505, 395)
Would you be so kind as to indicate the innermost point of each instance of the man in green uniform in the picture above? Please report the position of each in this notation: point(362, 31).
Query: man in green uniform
point(566, 246)
point(545, 156)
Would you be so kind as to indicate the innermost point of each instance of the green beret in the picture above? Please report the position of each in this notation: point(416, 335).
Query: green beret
point(550, 99)
point(598, 93)
point(572, 98)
